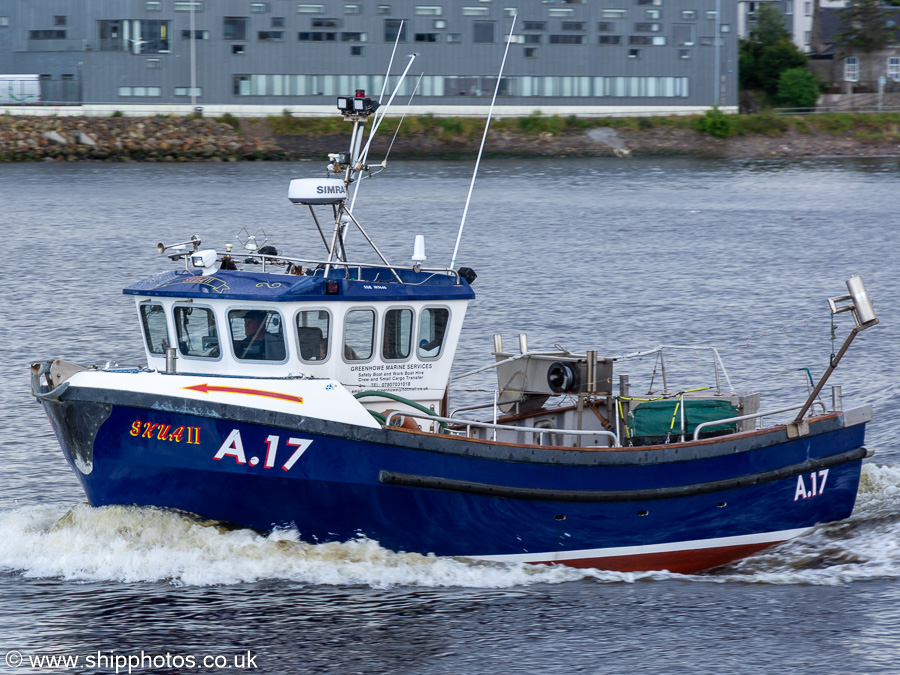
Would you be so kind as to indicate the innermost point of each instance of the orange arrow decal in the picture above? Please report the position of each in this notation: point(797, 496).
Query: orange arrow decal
point(206, 388)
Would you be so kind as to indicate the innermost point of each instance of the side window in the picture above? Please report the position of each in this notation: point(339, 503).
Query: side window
point(432, 328)
point(195, 328)
point(312, 334)
point(395, 343)
point(153, 318)
point(257, 335)
point(359, 334)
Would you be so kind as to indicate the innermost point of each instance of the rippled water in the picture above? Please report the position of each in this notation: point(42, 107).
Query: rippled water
point(606, 254)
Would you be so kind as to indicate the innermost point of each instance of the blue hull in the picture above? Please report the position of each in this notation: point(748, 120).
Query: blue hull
point(683, 509)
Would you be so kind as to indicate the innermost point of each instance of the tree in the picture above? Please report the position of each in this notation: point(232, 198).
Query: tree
point(798, 88)
point(768, 53)
point(776, 59)
point(771, 25)
point(865, 30)
point(865, 26)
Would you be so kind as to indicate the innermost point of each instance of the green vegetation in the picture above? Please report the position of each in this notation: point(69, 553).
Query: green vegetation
point(716, 123)
point(117, 113)
point(230, 120)
point(767, 55)
point(798, 88)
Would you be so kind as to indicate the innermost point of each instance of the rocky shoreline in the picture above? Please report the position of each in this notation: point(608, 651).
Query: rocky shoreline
point(180, 139)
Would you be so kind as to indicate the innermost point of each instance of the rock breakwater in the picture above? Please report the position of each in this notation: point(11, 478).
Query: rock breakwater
point(151, 139)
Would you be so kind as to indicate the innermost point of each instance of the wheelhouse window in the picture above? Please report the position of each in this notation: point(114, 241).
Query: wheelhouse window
point(359, 334)
point(432, 329)
point(395, 343)
point(257, 335)
point(156, 333)
point(195, 329)
point(313, 332)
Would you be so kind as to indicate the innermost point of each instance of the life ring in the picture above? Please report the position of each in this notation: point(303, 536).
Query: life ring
point(403, 421)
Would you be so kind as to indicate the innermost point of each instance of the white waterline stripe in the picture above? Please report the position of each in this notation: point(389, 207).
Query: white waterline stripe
point(697, 544)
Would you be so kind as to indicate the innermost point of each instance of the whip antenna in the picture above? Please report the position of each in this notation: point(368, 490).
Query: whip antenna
point(487, 124)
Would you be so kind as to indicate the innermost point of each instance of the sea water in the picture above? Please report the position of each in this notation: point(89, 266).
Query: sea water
point(613, 255)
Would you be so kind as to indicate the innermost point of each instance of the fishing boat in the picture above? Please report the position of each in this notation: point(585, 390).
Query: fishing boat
point(312, 392)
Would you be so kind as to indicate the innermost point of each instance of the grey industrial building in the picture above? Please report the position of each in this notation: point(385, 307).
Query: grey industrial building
point(577, 56)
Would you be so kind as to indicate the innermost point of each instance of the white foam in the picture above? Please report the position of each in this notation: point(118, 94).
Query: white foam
point(132, 544)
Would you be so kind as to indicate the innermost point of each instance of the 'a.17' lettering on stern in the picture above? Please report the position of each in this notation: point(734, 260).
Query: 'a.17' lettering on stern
point(234, 447)
point(816, 485)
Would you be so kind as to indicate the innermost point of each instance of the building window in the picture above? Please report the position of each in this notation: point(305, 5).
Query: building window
point(893, 68)
point(234, 27)
point(154, 64)
point(4, 21)
point(572, 25)
point(534, 25)
point(652, 14)
point(649, 2)
point(639, 40)
point(606, 26)
point(59, 21)
point(530, 52)
point(658, 40)
point(153, 6)
point(393, 28)
point(610, 39)
point(67, 77)
point(567, 39)
point(510, 11)
point(711, 15)
point(614, 13)
point(683, 34)
point(259, 7)
point(383, 9)
point(788, 7)
point(186, 91)
point(688, 15)
point(454, 38)
point(238, 49)
point(634, 53)
point(476, 11)
point(643, 27)
point(325, 23)
point(198, 34)
point(428, 37)
point(429, 10)
point(354, 37)
point(439, 23)
point(46, 35)
point(851, 69)
point(352, 9)
point(483, 32)
point(187, 6)
point(277, 22)
point(532, 39)
point(357, 51)
point(140, 91)
point(725, 28)
point(684, 53)
point(316, 36)
point(271, 36)
point(807, 8)
point(310, 9)
point(560, 13)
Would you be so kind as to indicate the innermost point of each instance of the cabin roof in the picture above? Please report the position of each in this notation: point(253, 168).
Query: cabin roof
point(374, 285)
